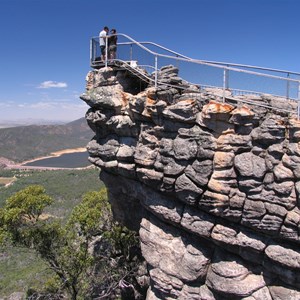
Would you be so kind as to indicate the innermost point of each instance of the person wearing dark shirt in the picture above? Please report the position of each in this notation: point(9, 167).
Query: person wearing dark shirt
point(112, 44)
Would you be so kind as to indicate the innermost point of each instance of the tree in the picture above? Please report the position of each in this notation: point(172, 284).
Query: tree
point(67, 248)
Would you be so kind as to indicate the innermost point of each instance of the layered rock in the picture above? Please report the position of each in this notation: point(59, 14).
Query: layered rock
point(211, 186)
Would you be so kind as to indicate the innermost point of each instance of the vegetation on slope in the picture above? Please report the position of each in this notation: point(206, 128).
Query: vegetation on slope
point(61, 234)
point(66, 187)
point(66, 248)
point(28, 142)
point(20, 268)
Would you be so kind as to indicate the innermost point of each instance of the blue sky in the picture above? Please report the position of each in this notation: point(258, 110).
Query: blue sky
point(44, 48)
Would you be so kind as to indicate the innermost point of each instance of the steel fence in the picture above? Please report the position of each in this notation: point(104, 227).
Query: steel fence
point(239, 79)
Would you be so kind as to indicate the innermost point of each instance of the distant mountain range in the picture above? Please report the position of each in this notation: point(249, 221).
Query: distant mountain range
point(29, 121)
point(23, 143)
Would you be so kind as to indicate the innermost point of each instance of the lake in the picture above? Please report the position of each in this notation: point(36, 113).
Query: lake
point(68, 160)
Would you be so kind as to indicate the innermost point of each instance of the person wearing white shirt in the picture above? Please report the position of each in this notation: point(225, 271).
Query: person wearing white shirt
point(103, 41)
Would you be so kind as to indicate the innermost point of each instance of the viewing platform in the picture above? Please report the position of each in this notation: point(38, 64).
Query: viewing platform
point(145, 59)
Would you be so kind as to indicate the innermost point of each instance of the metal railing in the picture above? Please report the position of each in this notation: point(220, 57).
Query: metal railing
point(237, 78)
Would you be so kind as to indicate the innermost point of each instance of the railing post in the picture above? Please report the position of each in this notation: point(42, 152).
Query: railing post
point(288, 87)
point(130, 52)
point(106, 50)
point(95, 49)
point(298, 101)
point(225, 82)
point(155, 71)
point(227, 78)
point(91, 50)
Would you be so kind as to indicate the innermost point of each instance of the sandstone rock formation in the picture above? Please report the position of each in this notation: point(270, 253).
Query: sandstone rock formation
point(212, 187)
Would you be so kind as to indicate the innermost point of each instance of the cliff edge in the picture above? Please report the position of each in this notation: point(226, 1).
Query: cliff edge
point(211, 186)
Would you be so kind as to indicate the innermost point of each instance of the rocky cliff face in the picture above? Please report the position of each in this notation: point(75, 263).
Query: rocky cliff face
point(212, 187)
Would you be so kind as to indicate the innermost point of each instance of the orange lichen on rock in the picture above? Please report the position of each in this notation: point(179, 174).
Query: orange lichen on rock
point(149, 107)
point(214, 107)
point(243, 111)
point(189, 101)
point(150, 102)
point(124, 99)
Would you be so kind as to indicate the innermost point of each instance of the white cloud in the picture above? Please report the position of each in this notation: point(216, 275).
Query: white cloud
point(52, 84)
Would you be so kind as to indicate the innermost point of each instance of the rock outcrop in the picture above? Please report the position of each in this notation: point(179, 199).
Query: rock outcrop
point(211, 186)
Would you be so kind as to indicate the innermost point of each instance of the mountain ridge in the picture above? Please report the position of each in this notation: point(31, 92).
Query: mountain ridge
point(30, 121)
point(23, 143)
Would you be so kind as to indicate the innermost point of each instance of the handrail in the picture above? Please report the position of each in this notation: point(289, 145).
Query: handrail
point(226, 67)
point(221, 65)
point(210, 63)
point(252, 67)
point(159, 46)
point(143, 76)
point(221, 62)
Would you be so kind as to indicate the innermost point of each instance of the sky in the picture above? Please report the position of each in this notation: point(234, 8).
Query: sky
point(44, 47)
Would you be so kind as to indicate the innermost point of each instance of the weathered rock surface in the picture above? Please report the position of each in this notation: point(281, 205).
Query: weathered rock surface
point(212, 187)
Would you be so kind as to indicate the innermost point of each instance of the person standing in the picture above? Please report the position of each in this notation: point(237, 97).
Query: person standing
point(103, 41)
point(112, 44)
